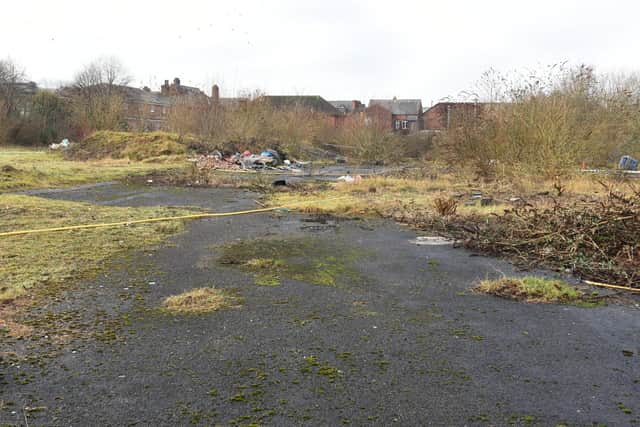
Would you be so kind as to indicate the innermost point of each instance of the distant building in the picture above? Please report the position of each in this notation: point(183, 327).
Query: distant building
point(444, 115)
point(348, 107)
point(178, 89)
point(313, 103)
point(401, 115)
point(145, 110)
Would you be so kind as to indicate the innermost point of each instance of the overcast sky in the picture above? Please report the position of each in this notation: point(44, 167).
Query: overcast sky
point(339, 49)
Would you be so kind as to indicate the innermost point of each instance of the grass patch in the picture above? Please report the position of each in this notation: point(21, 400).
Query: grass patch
point(306, 259)
point(40, 264)
point(201, 300)
point(387, 196)
point(532, 289)
point(22, 168)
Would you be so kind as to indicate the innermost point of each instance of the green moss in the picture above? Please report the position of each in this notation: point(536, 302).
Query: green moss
point(309, 259)
point(238, 398)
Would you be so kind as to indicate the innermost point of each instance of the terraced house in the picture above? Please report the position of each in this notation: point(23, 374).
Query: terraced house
point(404, 115)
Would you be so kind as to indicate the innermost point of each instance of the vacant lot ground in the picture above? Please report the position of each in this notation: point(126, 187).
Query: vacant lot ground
point(362, 327)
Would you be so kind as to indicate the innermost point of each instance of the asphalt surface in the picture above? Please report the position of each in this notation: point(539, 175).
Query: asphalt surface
point(409, 345)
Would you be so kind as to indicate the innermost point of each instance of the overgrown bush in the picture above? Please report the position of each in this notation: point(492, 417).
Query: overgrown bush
point(548, 125)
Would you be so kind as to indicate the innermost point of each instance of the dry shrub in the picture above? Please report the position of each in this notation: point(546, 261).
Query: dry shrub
point(445, 206)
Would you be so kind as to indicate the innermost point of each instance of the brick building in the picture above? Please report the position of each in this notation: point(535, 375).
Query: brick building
point(444, 115)
point(403, 115)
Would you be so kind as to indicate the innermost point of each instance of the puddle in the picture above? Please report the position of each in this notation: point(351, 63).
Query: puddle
point(431, 241)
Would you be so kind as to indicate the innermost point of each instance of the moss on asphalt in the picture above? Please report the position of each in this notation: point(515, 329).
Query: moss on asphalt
point(305, 259)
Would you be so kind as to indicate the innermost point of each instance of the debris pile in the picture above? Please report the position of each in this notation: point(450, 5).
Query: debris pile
point(268, 159)
point(63, 145)
point(213, 161)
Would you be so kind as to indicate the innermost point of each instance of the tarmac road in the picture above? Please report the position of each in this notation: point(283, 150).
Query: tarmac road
point(409, 344)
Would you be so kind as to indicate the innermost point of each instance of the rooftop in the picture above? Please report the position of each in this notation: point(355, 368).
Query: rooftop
point(399, 106)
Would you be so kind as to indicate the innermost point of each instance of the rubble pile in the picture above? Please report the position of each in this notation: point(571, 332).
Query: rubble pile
point(268, 159)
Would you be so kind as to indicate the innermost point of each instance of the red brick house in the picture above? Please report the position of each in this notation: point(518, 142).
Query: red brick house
point(351, 112)
point(443, 115)
point(403, 115)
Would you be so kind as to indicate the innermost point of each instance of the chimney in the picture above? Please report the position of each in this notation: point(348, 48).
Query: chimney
point(215, 94)
point(355, 105)
point(164, 89)
point(176, 82)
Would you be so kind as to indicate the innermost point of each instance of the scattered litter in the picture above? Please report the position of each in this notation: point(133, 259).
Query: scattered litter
point(486, 201)
point(267, 159)
point(350, 179)
point(279, 183)
point(628, 163)
point(149, 181)
point(152, 283)
point(431, 241)
point(64, 144)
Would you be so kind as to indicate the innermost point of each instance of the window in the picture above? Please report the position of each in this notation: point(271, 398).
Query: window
point(397, 125)
point(405, 124)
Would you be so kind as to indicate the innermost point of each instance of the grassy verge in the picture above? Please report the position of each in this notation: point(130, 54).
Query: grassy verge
point(387, 195)
point(40, 264)
point(22, 168)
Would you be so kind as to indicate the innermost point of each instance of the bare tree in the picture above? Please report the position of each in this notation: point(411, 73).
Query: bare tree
point(10, 95)
point(99, 94)
point(10, 74)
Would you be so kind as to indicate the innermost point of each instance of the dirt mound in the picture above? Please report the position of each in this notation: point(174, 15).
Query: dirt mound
point(129, 145)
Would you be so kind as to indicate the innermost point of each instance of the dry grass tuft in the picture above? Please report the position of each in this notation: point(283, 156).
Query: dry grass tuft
point(201, 300)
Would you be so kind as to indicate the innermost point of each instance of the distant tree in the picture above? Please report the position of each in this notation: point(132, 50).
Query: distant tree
point(99, 97)
point(10, 74)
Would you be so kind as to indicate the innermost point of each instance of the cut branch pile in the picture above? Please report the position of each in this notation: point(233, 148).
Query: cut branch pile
point(599, 241)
